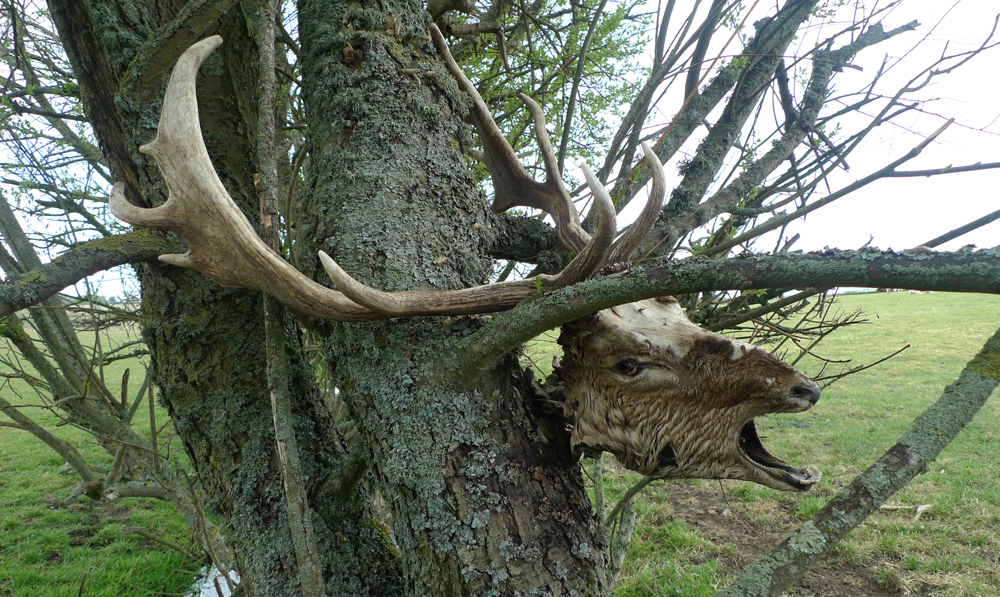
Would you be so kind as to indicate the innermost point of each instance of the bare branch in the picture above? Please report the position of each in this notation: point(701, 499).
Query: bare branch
point(581, 63)
point(76, 264)
point(979, 223)
point(64, 449)
point(960, 271)
point(779, 221)
point(147, 535)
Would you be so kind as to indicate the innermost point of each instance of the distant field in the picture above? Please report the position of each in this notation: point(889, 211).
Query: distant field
point(47, 551)
point(952, 550)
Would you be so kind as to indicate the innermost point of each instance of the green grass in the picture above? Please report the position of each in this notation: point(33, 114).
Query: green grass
point(952, 549)
point(47, 551)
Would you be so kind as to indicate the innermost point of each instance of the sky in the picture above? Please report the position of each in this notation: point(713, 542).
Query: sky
point(903, 213)
point(897, 213)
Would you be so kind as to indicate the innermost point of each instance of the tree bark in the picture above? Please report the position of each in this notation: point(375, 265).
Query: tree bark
point(484, 504)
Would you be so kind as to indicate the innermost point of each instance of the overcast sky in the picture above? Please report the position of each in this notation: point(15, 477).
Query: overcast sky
point(903, 213)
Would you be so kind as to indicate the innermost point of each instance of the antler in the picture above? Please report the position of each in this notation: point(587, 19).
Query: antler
point(223, 245)
point(221, 242)
point(623, 248)
point(513, 186)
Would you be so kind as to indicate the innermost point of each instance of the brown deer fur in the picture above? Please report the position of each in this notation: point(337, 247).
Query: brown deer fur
point(672, 400)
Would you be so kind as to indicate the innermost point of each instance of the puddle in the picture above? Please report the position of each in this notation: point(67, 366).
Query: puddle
point(210, 581)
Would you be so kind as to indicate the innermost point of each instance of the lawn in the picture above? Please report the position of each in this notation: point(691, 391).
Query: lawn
point(49, 551)
point(691, 536)
point(682, 545)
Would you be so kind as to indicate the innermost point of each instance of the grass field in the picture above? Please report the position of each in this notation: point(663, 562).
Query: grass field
point(47, 551)
point(678, 548)
point(953, 550)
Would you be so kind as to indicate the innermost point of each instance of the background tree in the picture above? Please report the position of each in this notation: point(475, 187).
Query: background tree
point(371, 169)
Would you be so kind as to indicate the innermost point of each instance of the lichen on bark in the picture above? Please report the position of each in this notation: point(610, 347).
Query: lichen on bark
point(481, 504)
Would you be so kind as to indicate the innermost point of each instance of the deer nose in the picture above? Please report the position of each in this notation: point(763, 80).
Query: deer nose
point(807, 391)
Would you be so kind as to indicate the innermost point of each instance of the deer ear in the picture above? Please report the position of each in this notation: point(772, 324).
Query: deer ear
point(666, 461)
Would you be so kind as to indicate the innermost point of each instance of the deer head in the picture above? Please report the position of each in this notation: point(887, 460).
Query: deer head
point(666, 397)
point(672, 400)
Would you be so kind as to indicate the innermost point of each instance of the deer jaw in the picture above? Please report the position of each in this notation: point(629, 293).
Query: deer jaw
point(671, 400)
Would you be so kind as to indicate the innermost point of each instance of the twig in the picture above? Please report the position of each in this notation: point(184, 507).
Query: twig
point(625, 499)
point(764, 310)
point(116, 468)
point(779, 221)
point(957, 232)
point(153, 432)
point(795, 341)
point(868, 366)
point(203, 523)
point(918, 511)
point(83, 582)
point(160, 540)
point(581, 63)
point(735, 511)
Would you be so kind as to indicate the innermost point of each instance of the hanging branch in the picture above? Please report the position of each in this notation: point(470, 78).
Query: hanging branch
point(296, 496)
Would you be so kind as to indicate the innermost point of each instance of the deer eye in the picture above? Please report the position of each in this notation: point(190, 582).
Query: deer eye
point(628, 366)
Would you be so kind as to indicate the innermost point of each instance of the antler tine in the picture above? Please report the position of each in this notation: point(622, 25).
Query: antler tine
point(221, 242)
point(501, 295)
point(623, 248)
point(512, 186)
point(607, 227)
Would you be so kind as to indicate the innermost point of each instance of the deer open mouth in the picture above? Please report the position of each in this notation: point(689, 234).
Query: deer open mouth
point(800, 479)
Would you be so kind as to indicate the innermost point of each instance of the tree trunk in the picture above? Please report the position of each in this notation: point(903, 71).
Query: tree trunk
point(207, 343)
point(485, 502)
point(486, 498)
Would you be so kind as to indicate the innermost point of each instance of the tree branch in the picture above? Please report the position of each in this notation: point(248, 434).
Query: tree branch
point(523, 239)
point(779, 221)
point(64, 449)
point(580, 67)
point(957, 232)
point(286, 443)
point(99, 86)
point(142, 245)
point(960, 271)
point(685, 209)
point(21, 110)
point(157, 56)
point(771, 39)
point(147, 535)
